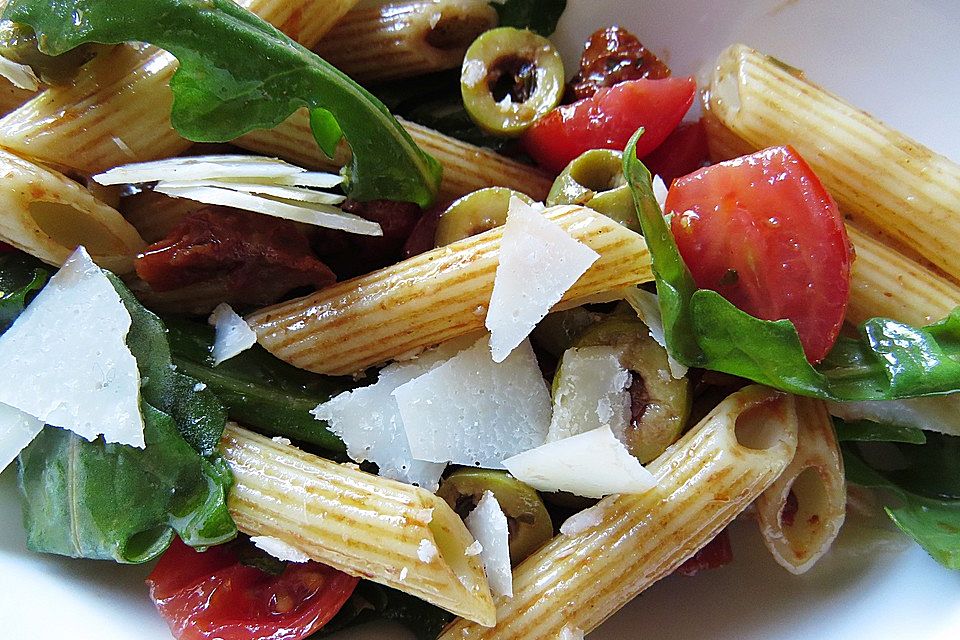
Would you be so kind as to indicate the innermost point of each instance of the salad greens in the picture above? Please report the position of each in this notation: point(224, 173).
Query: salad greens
point(371, 601)
point(890, 360)
point(258, 389)
point(238, 73)
point(925, 507)
point(177, 483)
point(21, 276)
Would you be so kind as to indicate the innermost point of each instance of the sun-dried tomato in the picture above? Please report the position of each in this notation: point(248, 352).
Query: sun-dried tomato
point(713, 555)
point(350, 254)
point(260, 258)
point(610, 56)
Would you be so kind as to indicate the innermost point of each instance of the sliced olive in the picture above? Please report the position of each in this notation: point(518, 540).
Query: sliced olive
point(559, 330)
point(475, 213)
point(18, 43)
point(595, 179)
point(659, 403)
point(528, 521)
point(510, 78)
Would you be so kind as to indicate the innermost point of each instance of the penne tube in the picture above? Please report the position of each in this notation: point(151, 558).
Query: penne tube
point(12, 96)
point(800, 514)
point(416, 38)
point(359, 523)
point(466, 167)
point(880, 178)
point(886, 281)
point(888, 284)
point(48, 215)
point(704, 480)
point(430, 298)
point(118, 111)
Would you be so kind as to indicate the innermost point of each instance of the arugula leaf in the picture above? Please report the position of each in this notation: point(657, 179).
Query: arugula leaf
point(21, 276)
point(867, 431)
point(258, 389)
point(238, 73)
point(933, 522)
point(116, 502)
point(537, 15)
point(371, 601)
point(111, 501)
point(890, 360)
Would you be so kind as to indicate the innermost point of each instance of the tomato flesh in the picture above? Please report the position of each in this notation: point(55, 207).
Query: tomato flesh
point(608, 119)
point(211, 595)
point(684, 151)
point(763, 232)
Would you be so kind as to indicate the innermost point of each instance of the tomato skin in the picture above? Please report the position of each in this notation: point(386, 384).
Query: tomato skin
point(5, 248)
point(684, 151)
point(211, 596)
point(608, 119)
point(763, 232)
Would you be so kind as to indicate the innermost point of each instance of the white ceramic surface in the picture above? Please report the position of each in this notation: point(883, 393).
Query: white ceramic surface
point(896, 59)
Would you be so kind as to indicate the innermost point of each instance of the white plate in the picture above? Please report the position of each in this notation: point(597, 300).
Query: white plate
point(895, 59)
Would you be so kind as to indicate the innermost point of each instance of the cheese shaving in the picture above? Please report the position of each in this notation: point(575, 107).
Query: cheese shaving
point(473, 411)
point(474, 549)
point(488, 525)
point(66, 361)
point(233, 334)
point(20, 75)
point(279, 549)
point(539, 261)
point(590, 392)
point(647, 307)
point(17, 430)
point(660, 192)
point(592, 464)
point(200, 168)
point(427, 551)
point(582, 521)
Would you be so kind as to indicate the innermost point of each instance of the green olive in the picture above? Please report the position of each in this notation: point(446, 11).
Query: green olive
point(559, 330)
point(527, 518)
point(595, 179)
point(660, 403)
point(510, 78)
point(18, 43)
point(475, 213)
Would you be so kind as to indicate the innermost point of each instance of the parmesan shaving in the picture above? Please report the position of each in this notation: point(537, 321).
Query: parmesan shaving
point(279, 549)
point(539, 261)
point(489, 527)
point(233, 334)
point(660, 192)
point(473, 411)
point(570, 633)
point(932, 413)
point(592, 464)
point(20, 75)
point(369, 423)
point(647, 307)
point(582, 521)
point(286, 192)
point(200, 168)
point(427, 551)
point(17, 430)
point(591, 392)
point(66, 360)
point(474, 549)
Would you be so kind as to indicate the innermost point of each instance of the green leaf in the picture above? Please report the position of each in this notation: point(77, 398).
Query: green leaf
point(110, 501)
point(933, 523)
point(21, 276)
point(259, 390)
point(237, 73)
point(371, 601)
point(116, 502)
point(890, 360)
point(537, 15)
point(867, 431)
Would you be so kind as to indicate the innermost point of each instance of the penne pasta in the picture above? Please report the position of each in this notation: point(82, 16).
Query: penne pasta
point(416, 37)
point(466, 167)
point(48, 215)
point(430, 298)
point(118, 111)
point(703, 481)
point(886, 281)
point(12, 96)
point(800, 514)
point(887, 284)
point(889, 182)
point(359, 523)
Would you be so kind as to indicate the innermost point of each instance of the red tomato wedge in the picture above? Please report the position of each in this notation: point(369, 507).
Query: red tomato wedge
point(608, 119)
point(763, 232)
point(211, 596)
point(684, 151)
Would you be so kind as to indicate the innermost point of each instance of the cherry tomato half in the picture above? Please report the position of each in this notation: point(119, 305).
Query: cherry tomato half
point(210, 595)
point(763, 232)
point(608, 119)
